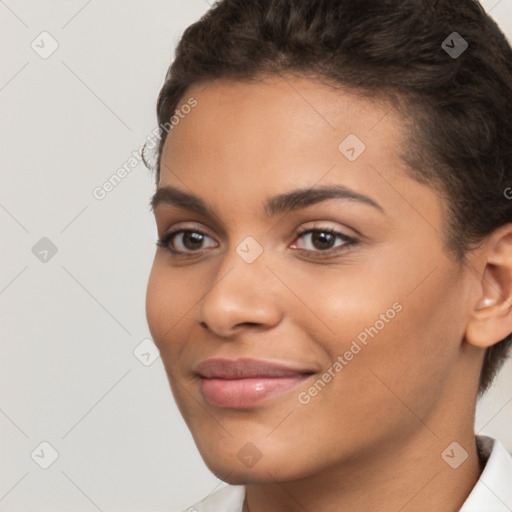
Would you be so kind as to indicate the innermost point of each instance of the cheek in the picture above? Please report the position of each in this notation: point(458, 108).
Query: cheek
point(342, 303)
point(397, 351)
point(167, 304)
point(388, 320)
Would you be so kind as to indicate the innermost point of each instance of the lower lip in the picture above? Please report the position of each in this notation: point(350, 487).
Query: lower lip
point(240, 393)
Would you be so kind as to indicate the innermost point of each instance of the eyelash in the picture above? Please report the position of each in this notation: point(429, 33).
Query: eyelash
point(164, 241)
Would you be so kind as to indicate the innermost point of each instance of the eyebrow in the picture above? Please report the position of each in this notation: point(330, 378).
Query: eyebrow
point(282, 203)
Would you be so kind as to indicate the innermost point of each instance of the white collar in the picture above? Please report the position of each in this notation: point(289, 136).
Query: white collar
point(492, 492)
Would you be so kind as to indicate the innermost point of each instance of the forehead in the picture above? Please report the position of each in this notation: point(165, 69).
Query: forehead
point(244, 141)
point(297, 112)
point(279, 117)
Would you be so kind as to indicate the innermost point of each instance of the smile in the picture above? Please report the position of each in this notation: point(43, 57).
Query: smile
point(244, 382)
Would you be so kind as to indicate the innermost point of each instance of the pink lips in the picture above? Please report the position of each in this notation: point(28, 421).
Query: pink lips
point(243, 382)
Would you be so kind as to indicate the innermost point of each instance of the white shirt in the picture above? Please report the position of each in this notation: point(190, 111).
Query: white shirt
point(492, 492)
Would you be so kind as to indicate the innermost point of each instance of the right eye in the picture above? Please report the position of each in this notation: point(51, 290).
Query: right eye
point(183, 241)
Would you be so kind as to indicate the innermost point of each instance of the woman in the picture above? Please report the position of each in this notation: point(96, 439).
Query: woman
point(332, 286)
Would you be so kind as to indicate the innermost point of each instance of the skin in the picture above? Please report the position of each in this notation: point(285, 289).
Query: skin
point(372, 438)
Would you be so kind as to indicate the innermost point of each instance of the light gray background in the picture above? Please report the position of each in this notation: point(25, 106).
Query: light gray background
point(68, 374)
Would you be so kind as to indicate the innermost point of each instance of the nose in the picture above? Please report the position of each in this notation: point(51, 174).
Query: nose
point(241, 296)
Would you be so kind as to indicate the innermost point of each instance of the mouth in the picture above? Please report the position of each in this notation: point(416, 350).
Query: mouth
point(242, 383)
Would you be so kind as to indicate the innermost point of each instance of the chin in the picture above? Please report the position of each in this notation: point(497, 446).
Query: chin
point(229, 466)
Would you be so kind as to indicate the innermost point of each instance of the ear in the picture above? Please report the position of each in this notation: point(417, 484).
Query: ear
point(491, 316)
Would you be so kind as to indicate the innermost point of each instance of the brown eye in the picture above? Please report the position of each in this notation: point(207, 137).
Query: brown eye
point(183, 241)
point(323, 240)
point(191, 240)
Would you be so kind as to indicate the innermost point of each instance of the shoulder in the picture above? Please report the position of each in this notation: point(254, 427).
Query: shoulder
point(493, 491)
point(229, 498)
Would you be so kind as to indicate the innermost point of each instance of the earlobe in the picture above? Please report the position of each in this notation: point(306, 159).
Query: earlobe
point(491, 316)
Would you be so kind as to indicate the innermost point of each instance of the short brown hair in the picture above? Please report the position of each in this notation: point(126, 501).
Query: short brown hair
point(460, 106)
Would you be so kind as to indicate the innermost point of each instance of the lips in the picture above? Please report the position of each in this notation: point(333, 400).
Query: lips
point(242, 383)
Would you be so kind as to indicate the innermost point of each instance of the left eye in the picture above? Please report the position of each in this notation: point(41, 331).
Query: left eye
point(323, 239)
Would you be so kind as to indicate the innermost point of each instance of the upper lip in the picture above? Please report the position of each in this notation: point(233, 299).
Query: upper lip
point(244, 368)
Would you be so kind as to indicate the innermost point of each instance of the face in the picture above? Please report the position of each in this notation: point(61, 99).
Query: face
point(305, 245)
